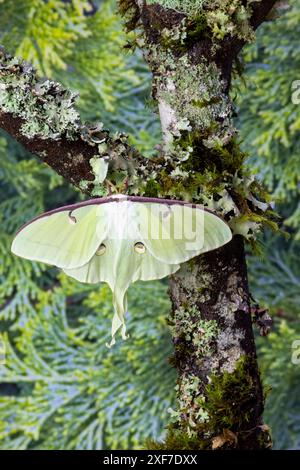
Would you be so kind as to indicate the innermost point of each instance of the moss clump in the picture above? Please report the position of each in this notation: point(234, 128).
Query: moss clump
point(177, 440)
point(232, 397)
point(229, 402)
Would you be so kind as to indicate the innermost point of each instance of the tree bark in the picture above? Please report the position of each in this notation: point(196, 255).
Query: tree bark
point(214, 348)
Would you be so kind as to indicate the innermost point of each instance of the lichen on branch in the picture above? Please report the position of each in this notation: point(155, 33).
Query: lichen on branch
point(41, 114)
point(219, 17)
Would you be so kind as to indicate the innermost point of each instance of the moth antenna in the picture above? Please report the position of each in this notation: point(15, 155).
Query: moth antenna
point(72, 218)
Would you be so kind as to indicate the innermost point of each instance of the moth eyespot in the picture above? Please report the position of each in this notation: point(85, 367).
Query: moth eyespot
point(139, 248)
point(101, 250)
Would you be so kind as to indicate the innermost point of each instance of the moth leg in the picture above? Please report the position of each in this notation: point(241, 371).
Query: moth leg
point(126, 183)
point(110, 187)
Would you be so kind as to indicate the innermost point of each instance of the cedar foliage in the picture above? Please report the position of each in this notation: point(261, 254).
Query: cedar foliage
point(61, 387)
point(270, 124)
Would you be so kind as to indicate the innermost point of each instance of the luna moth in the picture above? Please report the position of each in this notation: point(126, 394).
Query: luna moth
point(120, 240)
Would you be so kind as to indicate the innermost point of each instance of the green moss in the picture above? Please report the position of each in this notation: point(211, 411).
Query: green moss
point(231, 397)
point(228, 402)
point(177, 440)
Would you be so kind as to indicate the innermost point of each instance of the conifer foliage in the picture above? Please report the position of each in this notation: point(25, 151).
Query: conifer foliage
point(61, 387)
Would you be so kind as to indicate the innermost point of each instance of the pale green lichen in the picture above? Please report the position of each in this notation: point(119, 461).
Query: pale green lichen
point(99, 191)
point(84, 185)
point(195, 278)
point(94, 134)
point(188, 7)
point(198, 96)
point(189, 404)
point(216, 349)
point(245, 227)
point(99, 168)
point(231, 17)
point(220, 17)
point(175, 37)
point(96, 190)
point(200, 334)
point(221, 202)
point(46, 108)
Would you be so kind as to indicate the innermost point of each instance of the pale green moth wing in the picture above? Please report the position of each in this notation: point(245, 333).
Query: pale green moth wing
point(121, 260)
point(121, 240)
point(176, 233)
point(61, 238)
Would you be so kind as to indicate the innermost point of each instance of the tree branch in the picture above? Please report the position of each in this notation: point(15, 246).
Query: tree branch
point(261, 11)
point(40, 114)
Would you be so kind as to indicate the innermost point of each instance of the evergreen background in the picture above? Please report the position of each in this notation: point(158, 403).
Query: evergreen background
point(61, 388)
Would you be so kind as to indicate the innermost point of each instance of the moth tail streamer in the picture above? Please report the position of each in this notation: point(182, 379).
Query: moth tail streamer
point(118, 321)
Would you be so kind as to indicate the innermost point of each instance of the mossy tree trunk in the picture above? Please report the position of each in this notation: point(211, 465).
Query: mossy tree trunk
point(220, 400)
point(220, 396)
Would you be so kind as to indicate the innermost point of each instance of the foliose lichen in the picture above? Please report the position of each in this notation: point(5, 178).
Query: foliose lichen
point(46, 110)
point(188, 7)
point(197, 97)
point(215, 18)
point(190, 405)
point(198, 334)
